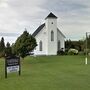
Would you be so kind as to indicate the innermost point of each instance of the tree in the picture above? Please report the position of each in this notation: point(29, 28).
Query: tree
point(24, 44)
point(88, 42)
point(68, 44)
point(2, 47)
point(13, 49)
point(8, 49)
point(79, 45)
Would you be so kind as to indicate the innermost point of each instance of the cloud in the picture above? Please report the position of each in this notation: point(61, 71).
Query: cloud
point(73, 16)
point(19, 14)
point(9, 34)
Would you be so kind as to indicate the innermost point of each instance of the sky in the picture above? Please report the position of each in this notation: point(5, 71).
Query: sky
point(16, 15)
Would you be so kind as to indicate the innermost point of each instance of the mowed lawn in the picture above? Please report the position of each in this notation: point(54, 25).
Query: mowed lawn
point(49, 73)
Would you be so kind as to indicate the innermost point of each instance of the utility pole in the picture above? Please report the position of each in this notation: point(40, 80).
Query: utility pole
point(86, 49)
point(86, 61)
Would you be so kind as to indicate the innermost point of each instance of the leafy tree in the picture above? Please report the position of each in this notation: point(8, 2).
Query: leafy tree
point(24, 44)
point(88, 42)
point(2, 47)
point(8, 49)
point(68, 44)
point(79, 45)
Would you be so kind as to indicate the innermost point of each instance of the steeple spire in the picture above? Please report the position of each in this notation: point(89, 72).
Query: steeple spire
point(51, 15)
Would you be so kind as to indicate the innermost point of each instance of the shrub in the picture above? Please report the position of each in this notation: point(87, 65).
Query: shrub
point(88, 54)
point(73, 52)
point(60, 52)
point(81, 53)
point(88, 51)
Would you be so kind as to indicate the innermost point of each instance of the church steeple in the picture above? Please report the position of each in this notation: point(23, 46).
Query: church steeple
point(51, 30)
point(51, 15)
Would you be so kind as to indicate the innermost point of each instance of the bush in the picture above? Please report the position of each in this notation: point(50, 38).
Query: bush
point(88, 51)
point(88, 54)
point(81, 53)
point(60, 52)
point(73, 52)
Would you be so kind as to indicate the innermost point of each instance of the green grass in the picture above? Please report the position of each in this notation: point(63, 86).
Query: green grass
point(48, 73)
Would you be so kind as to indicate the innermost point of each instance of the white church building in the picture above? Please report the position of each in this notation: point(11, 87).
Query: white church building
point(48, 37)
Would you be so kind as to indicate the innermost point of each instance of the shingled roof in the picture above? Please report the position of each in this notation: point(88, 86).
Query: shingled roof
point(51, 15)
point(38, 30)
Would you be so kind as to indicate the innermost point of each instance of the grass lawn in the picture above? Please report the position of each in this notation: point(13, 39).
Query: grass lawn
point(48, 73)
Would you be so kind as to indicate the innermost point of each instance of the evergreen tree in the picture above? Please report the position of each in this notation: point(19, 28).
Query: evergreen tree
point(24, 44)
point(79, 45)
point(2, 47)
point(13, 49)
point(88, 42)
point(2, 44)
point(8, 49)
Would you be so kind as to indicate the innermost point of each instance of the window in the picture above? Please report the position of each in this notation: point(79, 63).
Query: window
point(40, 45)
point(52, 36)
point(59, 45)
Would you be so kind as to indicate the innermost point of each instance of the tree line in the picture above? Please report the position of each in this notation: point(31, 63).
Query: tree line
point(4, 49)
point(80, 45)
point(24, 44)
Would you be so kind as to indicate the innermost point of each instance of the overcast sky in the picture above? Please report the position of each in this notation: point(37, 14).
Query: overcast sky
point(16, 15)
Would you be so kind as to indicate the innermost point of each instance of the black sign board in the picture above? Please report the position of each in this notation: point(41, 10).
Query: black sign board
point(12, 64)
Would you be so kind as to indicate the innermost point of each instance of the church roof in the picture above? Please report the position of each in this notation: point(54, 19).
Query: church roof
point(41, 27)
point(51, 15)
point(38, 30)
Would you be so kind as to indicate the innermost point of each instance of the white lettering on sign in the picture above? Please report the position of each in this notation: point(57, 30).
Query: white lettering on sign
point(12, 69)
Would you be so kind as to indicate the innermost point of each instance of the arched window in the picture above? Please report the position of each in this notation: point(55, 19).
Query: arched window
point(59, 45)
point(52, 36)
point(40, 45)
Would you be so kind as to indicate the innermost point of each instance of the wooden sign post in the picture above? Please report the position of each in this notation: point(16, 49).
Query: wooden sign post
point(12, 64)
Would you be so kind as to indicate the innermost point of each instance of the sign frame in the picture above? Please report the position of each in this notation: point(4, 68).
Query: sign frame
point(12, 62)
